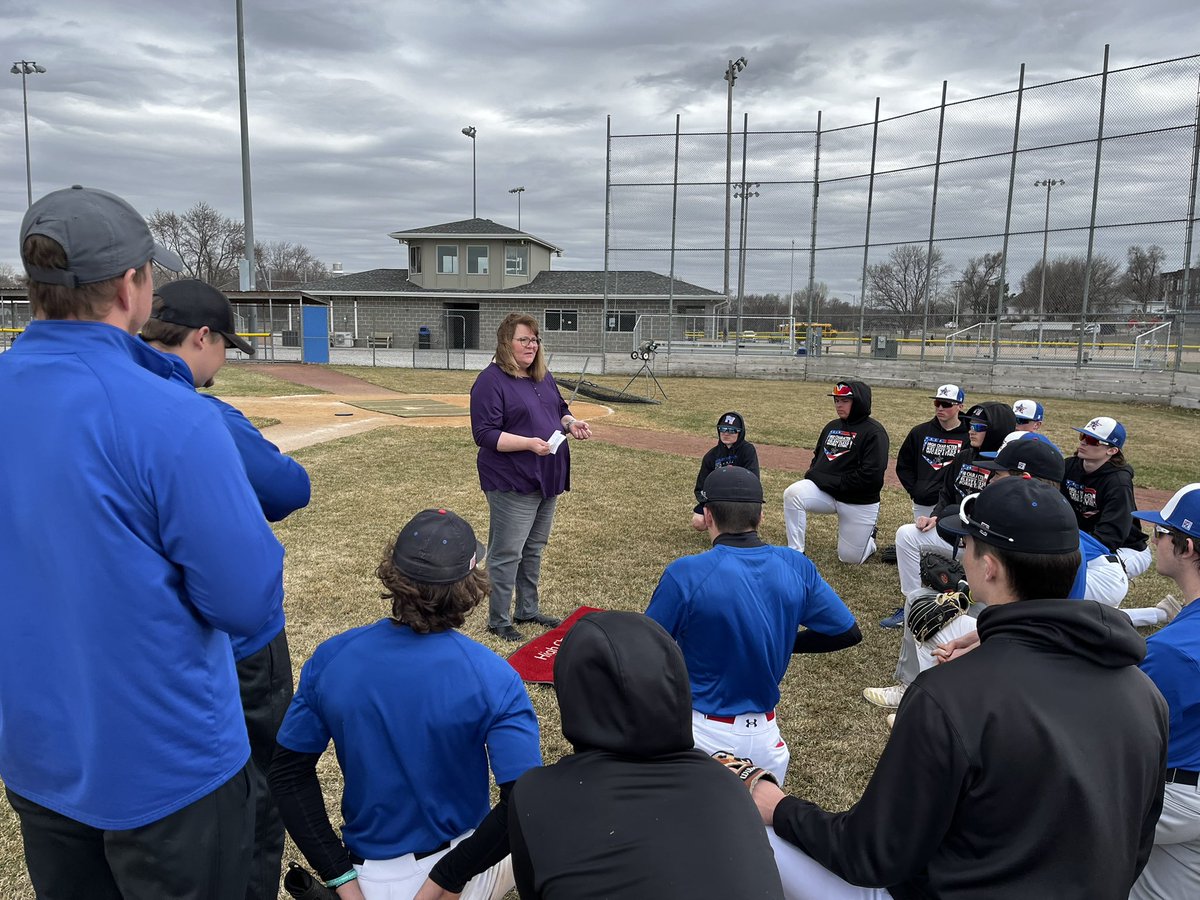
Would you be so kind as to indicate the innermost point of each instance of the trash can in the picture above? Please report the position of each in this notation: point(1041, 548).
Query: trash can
point(424, 336)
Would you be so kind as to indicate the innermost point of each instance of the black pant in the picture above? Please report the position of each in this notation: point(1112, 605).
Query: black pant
point(201, 852)
point(265, 680)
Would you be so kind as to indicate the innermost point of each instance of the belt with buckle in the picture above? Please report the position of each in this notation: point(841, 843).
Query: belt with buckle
point(358, 860)
point(1182, 776)
point(729, 720)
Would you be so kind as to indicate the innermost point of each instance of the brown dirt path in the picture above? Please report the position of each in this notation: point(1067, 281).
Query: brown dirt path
point(786, 459)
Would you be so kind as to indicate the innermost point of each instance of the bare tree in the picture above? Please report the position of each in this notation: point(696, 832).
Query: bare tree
point(1064, 286)
point(979, 285)
point(282, 264)
point(1142, 281)
point(898, 286)
point(8, 276)
point(209, 243)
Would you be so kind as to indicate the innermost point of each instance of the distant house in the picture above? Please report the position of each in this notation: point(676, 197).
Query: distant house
point(464, 277)
point(1172, 289)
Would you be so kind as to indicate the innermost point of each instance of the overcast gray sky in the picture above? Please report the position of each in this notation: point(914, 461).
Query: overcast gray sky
point(356, 106)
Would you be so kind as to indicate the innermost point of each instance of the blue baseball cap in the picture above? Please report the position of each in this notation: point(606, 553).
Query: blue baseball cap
point(1105, 429)
point(1182, 512)
point(1028, 411)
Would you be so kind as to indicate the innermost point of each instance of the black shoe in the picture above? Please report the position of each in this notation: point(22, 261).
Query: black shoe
point(507, 633)
point(888, 554)
point(540, 619)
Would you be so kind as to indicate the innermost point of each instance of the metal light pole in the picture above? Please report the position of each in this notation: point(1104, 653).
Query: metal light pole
point(731, 74)
point(248, 281)
point(744, 191)
point(1049, 184)
point(24, 68)
point(518, 191)
point(469, 131)
point(792, 301)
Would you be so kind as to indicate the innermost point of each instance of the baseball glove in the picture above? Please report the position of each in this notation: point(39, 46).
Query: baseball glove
point(940, 573)
point(929, 612)
point(300, 883)
point(744, 769)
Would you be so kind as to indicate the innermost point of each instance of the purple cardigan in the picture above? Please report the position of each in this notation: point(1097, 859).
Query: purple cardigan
point(500, 402)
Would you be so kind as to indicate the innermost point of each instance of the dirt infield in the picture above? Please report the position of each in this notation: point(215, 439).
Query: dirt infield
point(314, 418)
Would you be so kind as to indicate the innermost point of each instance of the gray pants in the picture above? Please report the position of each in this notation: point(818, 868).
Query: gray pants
point(518, 530)
point(1174, 867)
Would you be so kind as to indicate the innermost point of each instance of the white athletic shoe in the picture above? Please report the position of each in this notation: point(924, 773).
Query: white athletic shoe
point(891, 721)
point(887, 697)
point(1170, 606)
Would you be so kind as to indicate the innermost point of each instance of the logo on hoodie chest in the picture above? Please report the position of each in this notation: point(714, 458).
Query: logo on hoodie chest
point(1082, 498)
point(837, 443)
point(971, 479)
point(938, 452)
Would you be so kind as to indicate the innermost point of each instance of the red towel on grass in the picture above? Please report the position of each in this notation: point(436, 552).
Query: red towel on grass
point(534, 662)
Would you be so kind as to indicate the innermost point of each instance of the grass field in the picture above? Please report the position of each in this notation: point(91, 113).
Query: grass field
point(623, 521)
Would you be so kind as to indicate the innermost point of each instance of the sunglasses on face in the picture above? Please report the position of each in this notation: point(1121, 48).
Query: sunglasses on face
point(978, 426)
point(1159, 531)
point(728, 429)
point(1093, 442)
point(526, 341)
point(944, 404)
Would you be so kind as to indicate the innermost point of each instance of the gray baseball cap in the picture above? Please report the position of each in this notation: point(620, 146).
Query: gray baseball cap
point(102, 235)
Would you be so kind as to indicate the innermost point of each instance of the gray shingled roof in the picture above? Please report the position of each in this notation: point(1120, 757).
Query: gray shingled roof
point(472, 228)
point(565, 284)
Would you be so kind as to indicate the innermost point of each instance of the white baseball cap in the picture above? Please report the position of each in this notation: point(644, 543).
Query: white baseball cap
point(1028, 411)
point(951, 392)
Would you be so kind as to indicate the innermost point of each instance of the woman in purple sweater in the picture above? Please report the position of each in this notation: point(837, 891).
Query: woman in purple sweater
point(518, 420)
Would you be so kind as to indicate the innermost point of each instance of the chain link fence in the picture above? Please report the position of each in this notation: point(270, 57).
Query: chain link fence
point(1051, 224)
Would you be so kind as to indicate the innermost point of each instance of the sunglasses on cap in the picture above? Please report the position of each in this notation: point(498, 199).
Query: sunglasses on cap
point(977, 426)
point(1093, 442)
point(967, 504)
point(944, 404)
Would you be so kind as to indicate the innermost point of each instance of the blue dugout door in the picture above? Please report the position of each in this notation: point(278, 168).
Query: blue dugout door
point(314, 344)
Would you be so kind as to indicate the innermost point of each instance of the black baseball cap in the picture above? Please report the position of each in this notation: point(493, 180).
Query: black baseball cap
point(194, 304)
point(101, 234)
point(1018, 514)
point(978, 411)
point(732, 484)
point(437, 547)
point(1028, 453)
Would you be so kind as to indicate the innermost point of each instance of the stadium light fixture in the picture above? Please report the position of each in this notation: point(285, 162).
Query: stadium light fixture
point(469, 131)
point(25, 68)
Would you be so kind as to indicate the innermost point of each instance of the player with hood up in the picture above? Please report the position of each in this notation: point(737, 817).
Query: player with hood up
point(635, 811)
point(732, 449)
point(845, 476)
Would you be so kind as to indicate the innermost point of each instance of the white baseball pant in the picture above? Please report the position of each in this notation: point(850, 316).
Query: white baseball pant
point(1107, 582)
point(400, 878)
point(752, 735)
point(920, 509)
point(1136, 561)
point(856, 521)
point(806, 879)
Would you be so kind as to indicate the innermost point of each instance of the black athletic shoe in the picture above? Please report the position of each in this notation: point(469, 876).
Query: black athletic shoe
point(888, 554)
point(541, 619)
point(507, 633)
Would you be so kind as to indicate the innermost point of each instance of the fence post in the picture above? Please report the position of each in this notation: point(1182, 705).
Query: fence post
point(607, 220)
point(671, 278)
point(1087, 266)
point(1012, 181)
point(1187, 240)
point(812, 245)
point(937, 170)
point(862, 301)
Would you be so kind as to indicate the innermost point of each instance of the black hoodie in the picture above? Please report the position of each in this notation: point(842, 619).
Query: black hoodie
point(635, 811)
point(1031, 767)
point(851, 455)
point(1103, 503)
point(740, 453)
point(963, 476)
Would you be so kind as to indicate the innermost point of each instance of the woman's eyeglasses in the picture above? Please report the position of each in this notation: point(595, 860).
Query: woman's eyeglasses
point(978, 426)
point(944, 404)
point(526, 341)
point(1093, 442)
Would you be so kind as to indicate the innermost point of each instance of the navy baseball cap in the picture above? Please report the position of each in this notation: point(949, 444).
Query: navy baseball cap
point(1182, 512)
point(1018, 514)
point(1106, 430)
point(437, 547)
point(1028, 411)
point(732, 484)
point(101, 234)
point(1028, 453)
point(195, 304)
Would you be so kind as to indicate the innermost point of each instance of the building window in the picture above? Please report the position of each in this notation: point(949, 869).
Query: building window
point(516, 260)
point(620, 320)
point(447, 256)
point(477, 260)
point(561, 320)
point(414, 260)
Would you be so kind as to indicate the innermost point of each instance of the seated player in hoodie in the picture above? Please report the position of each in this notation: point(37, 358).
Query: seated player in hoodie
point(845, 476)
point(732, 449)
point(635, 811)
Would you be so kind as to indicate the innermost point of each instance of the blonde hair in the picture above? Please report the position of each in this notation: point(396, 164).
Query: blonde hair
point(504, 352)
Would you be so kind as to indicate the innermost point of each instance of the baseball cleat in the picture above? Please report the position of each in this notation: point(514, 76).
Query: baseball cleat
point(895, 620)
point(887, 697)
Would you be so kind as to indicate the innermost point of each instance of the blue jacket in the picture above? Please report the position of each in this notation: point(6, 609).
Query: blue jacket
point(131, 546)
point(279, 482)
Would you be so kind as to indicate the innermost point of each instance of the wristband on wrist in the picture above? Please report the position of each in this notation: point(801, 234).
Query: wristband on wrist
point(342, 879)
